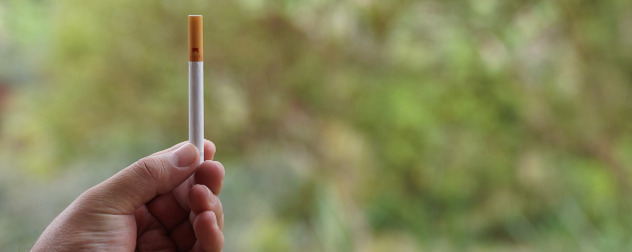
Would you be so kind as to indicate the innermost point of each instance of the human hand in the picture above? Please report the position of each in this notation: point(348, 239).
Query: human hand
point(165, 202)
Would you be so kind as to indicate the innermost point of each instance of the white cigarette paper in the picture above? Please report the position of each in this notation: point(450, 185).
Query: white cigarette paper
point(196, 106)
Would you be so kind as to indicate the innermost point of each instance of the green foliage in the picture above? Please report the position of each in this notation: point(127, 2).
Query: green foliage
point(346, 126)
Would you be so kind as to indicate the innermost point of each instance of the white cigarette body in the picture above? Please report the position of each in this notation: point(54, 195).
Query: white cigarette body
point(196, 84)
point(196, 106)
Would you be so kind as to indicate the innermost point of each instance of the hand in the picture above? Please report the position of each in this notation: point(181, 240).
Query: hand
point(165, 201)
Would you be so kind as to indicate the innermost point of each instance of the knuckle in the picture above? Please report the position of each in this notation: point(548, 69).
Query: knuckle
point(149, 169)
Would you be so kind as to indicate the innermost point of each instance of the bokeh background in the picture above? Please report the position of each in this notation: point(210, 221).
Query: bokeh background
point(362, 125)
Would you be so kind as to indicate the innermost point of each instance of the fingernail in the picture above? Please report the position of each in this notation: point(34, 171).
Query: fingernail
point(221, 167)
point(211, 197)
point(184, 156)
point(215, 223)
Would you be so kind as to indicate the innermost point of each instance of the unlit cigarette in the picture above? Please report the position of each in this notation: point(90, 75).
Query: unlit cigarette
point(196, 84)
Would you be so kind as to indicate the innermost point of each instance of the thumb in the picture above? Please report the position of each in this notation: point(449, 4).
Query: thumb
point(145, 179)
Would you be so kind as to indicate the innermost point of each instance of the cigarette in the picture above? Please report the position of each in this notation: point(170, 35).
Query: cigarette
point(196, 84)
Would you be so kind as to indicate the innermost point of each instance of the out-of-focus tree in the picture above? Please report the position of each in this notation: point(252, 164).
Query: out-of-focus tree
point(348, 125)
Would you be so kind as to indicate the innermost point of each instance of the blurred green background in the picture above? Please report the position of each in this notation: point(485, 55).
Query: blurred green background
point(363, 125)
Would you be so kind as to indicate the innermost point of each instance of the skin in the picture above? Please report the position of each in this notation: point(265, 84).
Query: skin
point(163, 202)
